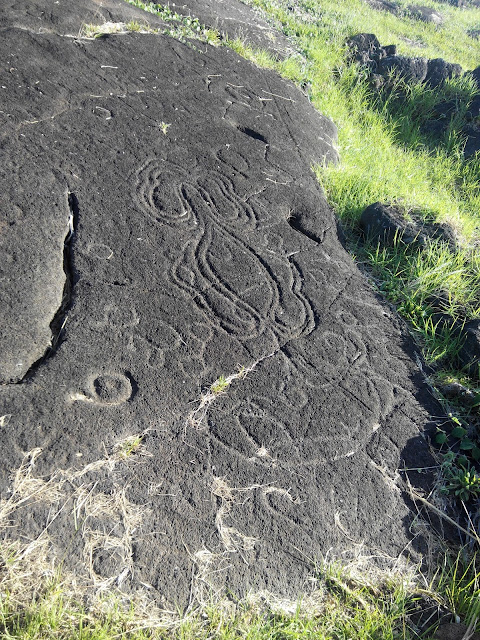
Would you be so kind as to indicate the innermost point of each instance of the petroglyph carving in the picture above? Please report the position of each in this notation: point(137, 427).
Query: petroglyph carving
point(226, 277)
point(106, 389)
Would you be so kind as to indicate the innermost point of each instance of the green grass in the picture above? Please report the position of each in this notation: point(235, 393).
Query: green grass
point(346, 603)
point(383, 157)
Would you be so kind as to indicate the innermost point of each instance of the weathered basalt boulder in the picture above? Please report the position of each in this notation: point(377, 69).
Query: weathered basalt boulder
point(472, 139)
point(425, 14)
point(387, 223)
point(475, 74)
point(382, 64)
point(459, 393)
point(456, 3)
point(366, 49)
point(412, 70)
point(469, 353)
point(439, 70)
point(384, 5)
point(169, 185)
point(473, 113)
point(440, 118)
point(383, 61)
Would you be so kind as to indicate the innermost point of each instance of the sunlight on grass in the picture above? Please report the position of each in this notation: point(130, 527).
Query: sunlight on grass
point(347, 603)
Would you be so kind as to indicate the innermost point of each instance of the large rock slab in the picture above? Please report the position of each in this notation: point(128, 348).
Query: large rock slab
point(161, 229)
point(67, 18)
point(238, 20)
point(232, 19)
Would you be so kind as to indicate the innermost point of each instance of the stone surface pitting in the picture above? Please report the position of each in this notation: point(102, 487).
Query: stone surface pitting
point(195, 252)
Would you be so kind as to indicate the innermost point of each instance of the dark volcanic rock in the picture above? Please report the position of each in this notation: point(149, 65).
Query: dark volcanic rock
point(475, 74)
point(364, 42)
point(472, 134)
point(66, 18)
point(237, 20)
point(413, 70)
point(454, 631)
point(458, 392)
point(439, 70)
point(382, 61)
point(384, 5)
point(473, 112)
point(458, 3)
point(234, 19)
point(469, 354)
point(366, 49)
point(386, 222)
point(440, 119)
point(161, 218)
point(425, 14)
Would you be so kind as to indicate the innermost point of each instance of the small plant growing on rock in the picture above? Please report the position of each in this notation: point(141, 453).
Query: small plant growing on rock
point(460, 479)
point(164, 127)
point(460, 435)
point(131, 445)
point(220, 385)
point(464, 483)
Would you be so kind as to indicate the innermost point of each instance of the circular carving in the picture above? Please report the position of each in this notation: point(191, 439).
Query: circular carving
point(111, 389)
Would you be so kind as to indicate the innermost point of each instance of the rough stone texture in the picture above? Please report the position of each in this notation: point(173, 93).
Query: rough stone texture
point(469, 354)
point(473, 112)
point(386, 222)
point(439, 70)
point(66, 18)
point(441, 116)
point(425, 14)
point(475, 75)
point(459, 393)
point(412, 70)
point(382, 61)
point(162, 219)
point(472, 134)
point(455, 631)
point(364, 42)
point(237, 20)
point(366, 49)
point(384, 5)
point(234, 18)
point(456, 3)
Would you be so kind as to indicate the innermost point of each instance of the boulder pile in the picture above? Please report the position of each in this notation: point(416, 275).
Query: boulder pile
point(385, 224)
point(384, 66)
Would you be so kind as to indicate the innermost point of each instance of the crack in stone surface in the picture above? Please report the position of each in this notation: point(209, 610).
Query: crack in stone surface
point(190, 269)
point(60, 317)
